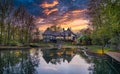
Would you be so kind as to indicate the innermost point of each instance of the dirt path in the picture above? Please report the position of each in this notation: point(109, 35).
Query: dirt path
point(114, 55)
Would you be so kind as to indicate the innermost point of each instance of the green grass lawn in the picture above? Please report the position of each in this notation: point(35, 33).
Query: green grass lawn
point(98, 49)
point(44, 44)
point(68, 44)
point(41, 44)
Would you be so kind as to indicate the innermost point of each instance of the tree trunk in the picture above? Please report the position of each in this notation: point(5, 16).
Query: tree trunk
point(103, 46)
point(8, 34)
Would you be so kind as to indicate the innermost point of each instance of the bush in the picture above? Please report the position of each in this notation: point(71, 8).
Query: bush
point(96, 41)
point(84, 40)
point(15, 43)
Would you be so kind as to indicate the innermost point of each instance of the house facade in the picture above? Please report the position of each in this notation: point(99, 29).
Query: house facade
point(49, 35)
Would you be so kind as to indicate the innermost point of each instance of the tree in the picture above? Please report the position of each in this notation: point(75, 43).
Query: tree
point(105, 20)
point(26, 24)
point(6, 8)
point(16, 24)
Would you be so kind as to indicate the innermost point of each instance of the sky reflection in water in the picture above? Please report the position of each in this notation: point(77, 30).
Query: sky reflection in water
point(65, 61)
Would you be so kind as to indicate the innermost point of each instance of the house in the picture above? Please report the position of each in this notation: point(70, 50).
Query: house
point(49, 35)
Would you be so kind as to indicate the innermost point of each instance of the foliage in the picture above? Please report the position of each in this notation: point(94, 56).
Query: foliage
point(84, 40)
point(105, 21)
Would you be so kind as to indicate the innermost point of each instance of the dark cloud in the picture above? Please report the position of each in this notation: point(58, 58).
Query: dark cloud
point(31, 5)
point(35, 8)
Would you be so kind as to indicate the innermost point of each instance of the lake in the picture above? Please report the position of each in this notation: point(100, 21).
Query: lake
point(53, 61)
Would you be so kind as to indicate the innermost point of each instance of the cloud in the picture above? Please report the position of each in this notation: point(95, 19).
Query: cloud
point(39, 20)
point(65, 15)
point(73, 14)
point(49, 11)
point(49, 5)
point(76, 24)
point(44, 26)
point(74, 19)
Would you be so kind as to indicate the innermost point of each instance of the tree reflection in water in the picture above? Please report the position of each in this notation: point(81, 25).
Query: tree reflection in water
point(100, 64)
point(17, 62)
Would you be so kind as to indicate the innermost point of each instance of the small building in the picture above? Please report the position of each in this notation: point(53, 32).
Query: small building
point(49, 35)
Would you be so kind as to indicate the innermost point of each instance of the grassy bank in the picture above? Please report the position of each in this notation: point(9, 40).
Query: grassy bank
point(38, 44)
point(44, 44)
point(13, 47)
point(98, 49)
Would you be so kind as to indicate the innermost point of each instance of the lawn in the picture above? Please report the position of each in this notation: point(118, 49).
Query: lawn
point(47, 44)
point(98, 49)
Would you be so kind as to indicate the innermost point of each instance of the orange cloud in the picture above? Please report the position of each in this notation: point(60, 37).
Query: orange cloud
point(43, 27)
point(47, 11)
point(39, 20)
point(79, 11)
point(49, 5)
point(75, 19)
point(76, 25)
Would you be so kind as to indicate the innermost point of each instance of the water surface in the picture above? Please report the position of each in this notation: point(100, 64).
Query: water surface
point(46, 61)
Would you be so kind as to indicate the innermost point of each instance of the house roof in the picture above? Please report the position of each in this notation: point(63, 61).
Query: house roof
point(47, 32)
point(67, 32)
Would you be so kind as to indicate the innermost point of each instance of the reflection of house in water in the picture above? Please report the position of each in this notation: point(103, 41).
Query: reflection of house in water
point(58, 56)
point(49, 35)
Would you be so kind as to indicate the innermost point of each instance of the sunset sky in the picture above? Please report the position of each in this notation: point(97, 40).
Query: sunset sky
point(64, 13)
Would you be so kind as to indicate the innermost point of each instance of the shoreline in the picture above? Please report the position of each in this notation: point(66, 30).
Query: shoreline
point(13, 47)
